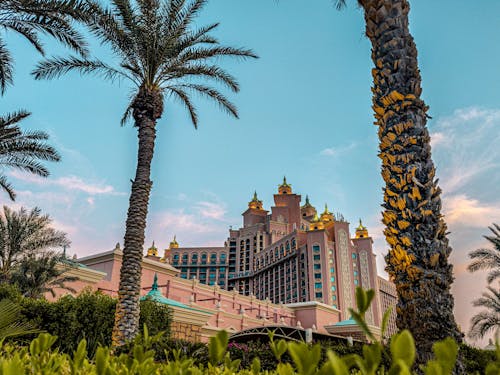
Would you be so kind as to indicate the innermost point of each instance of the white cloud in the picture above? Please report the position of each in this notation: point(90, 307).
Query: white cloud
point(338, 150)
point(466, 147)
point(211, 210)
point(66, 182)
point(460, 209)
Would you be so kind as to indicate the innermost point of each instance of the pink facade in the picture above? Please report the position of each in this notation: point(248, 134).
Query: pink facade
point(288, 267)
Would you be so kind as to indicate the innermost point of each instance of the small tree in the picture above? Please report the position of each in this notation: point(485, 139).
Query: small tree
point(23, 234)
point(42, 273)
point(488, 259)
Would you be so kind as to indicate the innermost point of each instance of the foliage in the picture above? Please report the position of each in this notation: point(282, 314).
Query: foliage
point(488, 259)
point(475, 360)
point(23, 233)
point(10, 325)
point(41, 273)
point(30, 18)
point(305, 359)
point(89, 316)
point(486, 320)
point(23, 150)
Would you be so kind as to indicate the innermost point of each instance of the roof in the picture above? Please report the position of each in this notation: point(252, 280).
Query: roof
point(348, 322)
point(155, 295)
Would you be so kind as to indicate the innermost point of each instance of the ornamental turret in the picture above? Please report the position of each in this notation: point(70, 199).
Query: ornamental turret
point(255, 203)
point(166, 255)
point(327, 216)
point(307, 210)
point(152, 251)
point(316, 223)
point(285, 188)
point(361, 231)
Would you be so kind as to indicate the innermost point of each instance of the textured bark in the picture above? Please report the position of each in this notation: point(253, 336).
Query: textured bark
point(147, 108)
point(415, 230)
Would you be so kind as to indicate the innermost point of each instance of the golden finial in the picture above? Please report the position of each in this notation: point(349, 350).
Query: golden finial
point(255, 203)
point(285, 188)
point(153, 251)
point(361, 231)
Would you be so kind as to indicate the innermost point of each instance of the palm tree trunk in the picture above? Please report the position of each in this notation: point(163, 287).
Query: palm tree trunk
point(418, 257)
point(147, 108)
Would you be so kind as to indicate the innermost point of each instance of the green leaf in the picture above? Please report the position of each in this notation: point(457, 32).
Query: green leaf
point(334, 365)
point(305, 359)
point(385, 321)
point(255, 366)
point(403, 348)
point(217, 347)
point(446, 352)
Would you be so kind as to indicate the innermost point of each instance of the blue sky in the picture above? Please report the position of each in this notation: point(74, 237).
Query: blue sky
point(304, 112)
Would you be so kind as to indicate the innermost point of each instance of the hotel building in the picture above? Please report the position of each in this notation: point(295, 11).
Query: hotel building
point(289, 254)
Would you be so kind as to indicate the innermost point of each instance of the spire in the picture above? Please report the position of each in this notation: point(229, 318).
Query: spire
point(153, 251)
point(327, 216)
point(307, 200)
point(361, 231)
point(285, 187)
point(255, 203)
point(316, 223)
point(174, 244)
point(155, 282)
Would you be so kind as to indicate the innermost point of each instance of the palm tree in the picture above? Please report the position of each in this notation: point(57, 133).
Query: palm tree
point(30, 18)
point(486, 320)
point(161, 53)
point(22, 234)
point(40, 273)
point(10, 324)
point(22, 150)
point(415, 230)
point(488, 259)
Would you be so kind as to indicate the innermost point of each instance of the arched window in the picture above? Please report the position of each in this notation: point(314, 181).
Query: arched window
point(184, 258)
point(213, 258)
point(203, 258)
point(282, 251)
point(294, 244)
point(175, 259)
point(276, 254)
point(194, 258)
point(222, 258)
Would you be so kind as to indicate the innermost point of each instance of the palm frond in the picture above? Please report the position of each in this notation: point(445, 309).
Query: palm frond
point(10, 323)
point(56, 67)
point(213, 94)
point(7, 187)
point(6, 67)
point(184, 98)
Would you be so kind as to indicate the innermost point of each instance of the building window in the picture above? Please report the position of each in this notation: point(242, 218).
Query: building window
point(334, 297)
point(334, 306)
point(317, 257)
point(356, 282)
point(204, 258)
point(213, 258)
point(317, 275)
point(319, 295)
point(318, 285)
point(333, 288)
point(332, 270)
point(317, 266)
point(355, 273)
point(194, 258)
point(332, 279)
point(223, 258)
point(353, 256)
point(316, 248)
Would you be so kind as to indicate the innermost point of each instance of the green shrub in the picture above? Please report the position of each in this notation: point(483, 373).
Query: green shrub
point(89, 316)
point(475, 360)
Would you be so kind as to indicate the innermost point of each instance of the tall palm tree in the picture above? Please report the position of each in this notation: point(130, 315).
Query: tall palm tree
point(22, 150)
point(488, 259)
point(415, 230)
point(161, 53)
point(23, 233)
point(486, 320)
point(41, 273)
point(30, 18)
